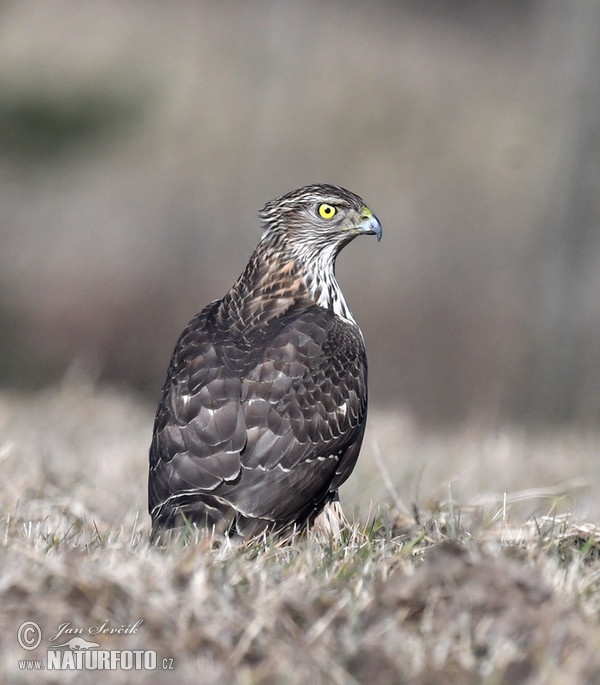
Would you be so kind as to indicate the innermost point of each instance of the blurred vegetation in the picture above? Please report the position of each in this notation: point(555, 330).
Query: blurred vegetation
point(136, 150)
point(38, 127)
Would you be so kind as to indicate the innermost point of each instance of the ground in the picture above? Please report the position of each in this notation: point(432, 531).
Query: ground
point(473, 557)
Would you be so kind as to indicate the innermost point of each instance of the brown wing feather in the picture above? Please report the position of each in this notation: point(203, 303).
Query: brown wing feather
point(199, 429)
point(263, 434)
point(305, 408)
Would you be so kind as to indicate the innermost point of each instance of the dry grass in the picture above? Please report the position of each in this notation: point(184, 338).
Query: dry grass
point(448, 591)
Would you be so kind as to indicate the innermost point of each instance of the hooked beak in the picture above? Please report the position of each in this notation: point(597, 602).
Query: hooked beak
point(370, 224)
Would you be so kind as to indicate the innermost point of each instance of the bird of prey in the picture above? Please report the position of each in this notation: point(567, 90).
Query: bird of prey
point(264, 405)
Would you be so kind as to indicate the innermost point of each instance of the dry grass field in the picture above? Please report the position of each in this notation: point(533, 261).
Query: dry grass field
point(469, 560)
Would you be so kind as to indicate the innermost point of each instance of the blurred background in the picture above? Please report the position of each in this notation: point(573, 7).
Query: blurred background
point(138, 140)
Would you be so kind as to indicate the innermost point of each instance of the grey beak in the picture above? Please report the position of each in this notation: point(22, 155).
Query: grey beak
point(371, 226)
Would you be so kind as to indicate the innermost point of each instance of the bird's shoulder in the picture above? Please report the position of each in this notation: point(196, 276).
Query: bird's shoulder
point(302, 331)
point(305, 350)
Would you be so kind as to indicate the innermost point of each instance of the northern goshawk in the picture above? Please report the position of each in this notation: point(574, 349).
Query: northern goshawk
point(263, 410)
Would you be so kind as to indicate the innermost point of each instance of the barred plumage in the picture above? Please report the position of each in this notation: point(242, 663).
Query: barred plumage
point(263, 409)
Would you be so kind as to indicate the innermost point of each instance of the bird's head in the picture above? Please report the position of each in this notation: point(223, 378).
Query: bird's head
point(316, 221)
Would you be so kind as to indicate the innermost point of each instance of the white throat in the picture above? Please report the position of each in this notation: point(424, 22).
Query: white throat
point(323, 286)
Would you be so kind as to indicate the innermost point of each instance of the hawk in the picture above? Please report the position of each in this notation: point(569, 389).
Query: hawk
point(264, 405)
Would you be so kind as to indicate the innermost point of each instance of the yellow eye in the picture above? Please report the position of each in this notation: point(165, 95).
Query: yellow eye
point(327, 211)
